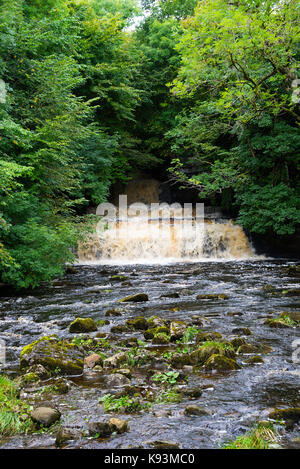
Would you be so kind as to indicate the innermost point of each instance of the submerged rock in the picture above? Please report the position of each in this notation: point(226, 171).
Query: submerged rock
point(57, 356)
point(242, 331)
point(254, 360)
point(83, 325)
point(196, 410)
point(170, 295)
point(45, 416)
point(217, 296)
point(113, 312)
point(135, 298)
point(162, 444)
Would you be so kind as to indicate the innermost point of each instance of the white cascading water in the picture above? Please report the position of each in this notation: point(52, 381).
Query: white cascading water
point(139, 240)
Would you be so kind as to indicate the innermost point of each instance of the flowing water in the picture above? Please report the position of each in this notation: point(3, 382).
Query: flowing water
point(236, 400)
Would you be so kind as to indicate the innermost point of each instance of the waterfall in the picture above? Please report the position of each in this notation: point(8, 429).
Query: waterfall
point(139, 240)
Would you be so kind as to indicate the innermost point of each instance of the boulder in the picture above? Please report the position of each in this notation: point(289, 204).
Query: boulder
point(93, 360)
point(118, 425)
point(170, 295)
point(45, 416)
point(254, 360)
point(116, 379)
point(113, 312)
point(135, 298)
point(292, 413)
point(115, 360)
point(177, 330)
point(138, 324)
point(217, 296)
point(80, 325)
point(56, 356)
point(160, 339)
point(220, 363)
point(66, 434)
point(100, 429)
point(242, 331)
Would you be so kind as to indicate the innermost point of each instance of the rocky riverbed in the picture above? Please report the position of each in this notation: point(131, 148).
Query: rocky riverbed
point(186, 355)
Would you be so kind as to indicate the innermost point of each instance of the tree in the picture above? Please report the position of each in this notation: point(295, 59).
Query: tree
point(238, 63)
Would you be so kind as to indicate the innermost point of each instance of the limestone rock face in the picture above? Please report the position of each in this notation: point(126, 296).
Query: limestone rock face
point(53, 354)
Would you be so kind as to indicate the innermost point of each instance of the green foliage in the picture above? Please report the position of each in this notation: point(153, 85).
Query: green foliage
point(168, 396)
point(14, 415)
point(240, 137)
point(169, 377)
point(124, 404)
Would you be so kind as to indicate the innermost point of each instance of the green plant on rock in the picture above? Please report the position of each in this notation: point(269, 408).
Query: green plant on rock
point(169, 377)
point(126, 404)
point(168, 397)
point(263, 436)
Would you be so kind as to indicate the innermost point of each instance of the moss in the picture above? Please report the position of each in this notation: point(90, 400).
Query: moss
point(248, 348)
point(83, 325)
point(216, 296)
point(139, 323)
point(160, 339)
point(236, 343)
point(221, 363)
point(150, 333)
point(135, 298)
point(209, 348)
point(254, 360)
point(57, 356)
point(292, 413)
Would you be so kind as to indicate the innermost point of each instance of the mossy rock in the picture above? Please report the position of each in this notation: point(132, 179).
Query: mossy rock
point(277, 324)
point(118, 278)
point(113, 312)
point(201, 355)
point(119, 329)
point(221, 363)
point(254, 360)
point(81, 325)
point(170, 295)
point(208, 336)
point(293, 315)
point(242, 331)
point(150, 333)
point(248, 348)
point(57, 356)
point(292, 413)
point(237, 342)
point(135, 298)
point(138, 324)
point(29, 379)
point(160, 339)
point(179, 360)
point(177, 330)
point(291, 292)
point(216, 296)
point(156, 321)
point(293, 270)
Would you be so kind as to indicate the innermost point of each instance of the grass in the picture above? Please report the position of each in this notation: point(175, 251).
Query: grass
point(263, 436)
point(14, 416)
